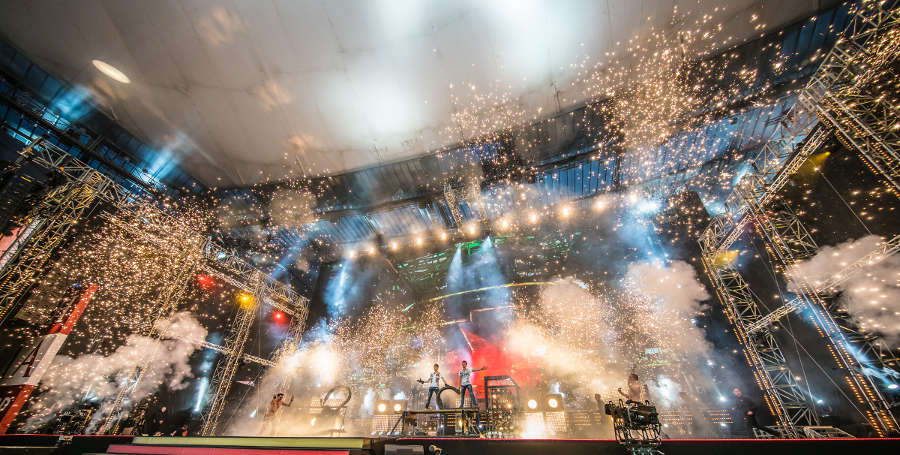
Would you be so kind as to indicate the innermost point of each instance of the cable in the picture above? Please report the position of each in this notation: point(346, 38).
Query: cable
point(866, 227)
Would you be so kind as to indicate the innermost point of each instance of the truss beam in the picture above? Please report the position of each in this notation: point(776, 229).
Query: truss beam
point(784, 397)
point(885, 250)
point(224, 373)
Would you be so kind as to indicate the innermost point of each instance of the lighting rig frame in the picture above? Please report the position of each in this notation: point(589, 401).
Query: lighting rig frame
point(829, 104)
point(51, 223)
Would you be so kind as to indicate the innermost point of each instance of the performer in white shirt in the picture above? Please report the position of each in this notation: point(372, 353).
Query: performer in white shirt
point(434, 387)
point(465, 383)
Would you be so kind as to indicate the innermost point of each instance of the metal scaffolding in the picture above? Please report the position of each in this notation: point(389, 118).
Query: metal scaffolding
point(165, 305)
point(784, 397)
point(790, 242)
point(50, 222)
point(850, 100)
point(62, 208)
point(223, 375)
point(884, 250)
point(836, 94)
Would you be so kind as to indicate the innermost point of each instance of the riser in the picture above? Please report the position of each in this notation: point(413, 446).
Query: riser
point(172, 450)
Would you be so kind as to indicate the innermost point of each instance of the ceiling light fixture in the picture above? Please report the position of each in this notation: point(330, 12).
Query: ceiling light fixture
point(111, 71)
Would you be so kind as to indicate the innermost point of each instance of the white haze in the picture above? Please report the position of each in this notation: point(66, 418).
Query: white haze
point(98, 377)
point(871, 295)
point(592, 341)
point(587, 341)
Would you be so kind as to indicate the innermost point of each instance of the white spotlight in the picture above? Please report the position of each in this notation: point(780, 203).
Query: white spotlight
point(111, 71)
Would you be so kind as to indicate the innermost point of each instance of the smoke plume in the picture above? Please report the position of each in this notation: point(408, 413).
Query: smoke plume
point(869, 295)
point(97, 378)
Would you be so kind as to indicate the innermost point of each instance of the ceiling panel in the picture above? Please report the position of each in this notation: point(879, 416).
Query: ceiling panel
point(243, 86)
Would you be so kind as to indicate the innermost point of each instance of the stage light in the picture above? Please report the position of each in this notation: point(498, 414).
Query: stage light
point(206, 282)
point(419, 241)
point(471, 228)
point(554, 401)
point(381, 407)
point(532, 404)
point(312, 422)
point(398, 406)
point(721, 398)
point(892, 386)
point(111, 71)
point(278, 316)
point(565, 211)
point(599, 205)
point(532, 217)
point(394, 245)
point(244, 299)
point(820, 401)
point(443, 236)
point(372, 250)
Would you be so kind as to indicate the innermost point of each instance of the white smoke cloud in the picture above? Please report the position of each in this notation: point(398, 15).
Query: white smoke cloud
point(674, 296)
point(99, 377)
point(592, 341)
point(585, 339)
point(870, 295)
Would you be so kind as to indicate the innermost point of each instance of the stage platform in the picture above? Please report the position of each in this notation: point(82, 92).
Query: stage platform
point(122, 445)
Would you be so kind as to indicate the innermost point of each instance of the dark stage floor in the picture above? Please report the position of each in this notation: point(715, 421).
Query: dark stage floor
point(53, 444)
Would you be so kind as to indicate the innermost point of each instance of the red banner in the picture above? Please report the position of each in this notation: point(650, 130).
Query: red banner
point(24, 374)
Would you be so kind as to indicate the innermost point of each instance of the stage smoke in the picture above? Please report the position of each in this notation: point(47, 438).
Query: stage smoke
point(870, 295)
point(98, 378)
point(674, 297)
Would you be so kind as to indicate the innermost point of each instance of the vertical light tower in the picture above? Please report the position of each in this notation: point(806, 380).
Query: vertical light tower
point(840, 95)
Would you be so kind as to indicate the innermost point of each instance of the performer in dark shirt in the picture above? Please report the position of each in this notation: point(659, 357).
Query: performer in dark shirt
point(745, 411)
point(157, 422)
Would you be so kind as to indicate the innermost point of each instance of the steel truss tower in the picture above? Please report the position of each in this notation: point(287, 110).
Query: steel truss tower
point(286, 301)
point(790, 242)
point(51, 223)
point(784, 397)
point(839, 94)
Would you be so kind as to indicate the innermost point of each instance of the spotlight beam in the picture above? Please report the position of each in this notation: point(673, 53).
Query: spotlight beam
point(499, 286)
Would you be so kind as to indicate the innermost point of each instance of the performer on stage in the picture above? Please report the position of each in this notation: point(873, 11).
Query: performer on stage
point(634, 389)
point(434, 387)
point(277, 402)
point(465, 383)
point(744, 415)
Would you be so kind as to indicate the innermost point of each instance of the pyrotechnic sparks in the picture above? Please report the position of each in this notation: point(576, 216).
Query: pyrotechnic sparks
point(506, 207)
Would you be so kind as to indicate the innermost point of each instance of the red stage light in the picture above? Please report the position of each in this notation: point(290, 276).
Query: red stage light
point(278, 316)
point(205, 281)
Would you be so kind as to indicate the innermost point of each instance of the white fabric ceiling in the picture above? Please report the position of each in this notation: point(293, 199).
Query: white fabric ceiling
point(243, 90)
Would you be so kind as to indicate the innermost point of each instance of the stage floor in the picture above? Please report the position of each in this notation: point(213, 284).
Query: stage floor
point(232, 445)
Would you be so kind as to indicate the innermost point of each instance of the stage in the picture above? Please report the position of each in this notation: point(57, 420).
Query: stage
point(234, 445)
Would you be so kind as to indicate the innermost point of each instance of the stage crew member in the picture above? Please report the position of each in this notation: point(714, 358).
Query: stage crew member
point(465, 383)
point(434, 387)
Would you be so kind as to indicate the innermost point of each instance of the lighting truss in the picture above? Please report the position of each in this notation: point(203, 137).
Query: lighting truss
point(62, 209)
point(864, 123)
point(52, 221)
point(784, 397)
point(166, 304)
point(829, 286)
point(247, 357)
point(225, 369)
point(790, 242)
point(864, 118)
